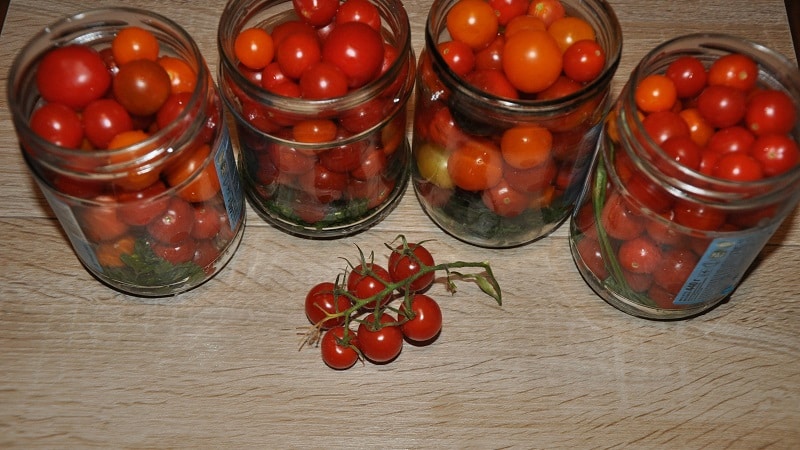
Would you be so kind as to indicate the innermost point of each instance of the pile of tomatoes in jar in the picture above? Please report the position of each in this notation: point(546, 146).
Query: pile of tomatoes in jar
point(357, 313)
point(506, 179)
point(151, 215)
point(713, 120)
point(312, 157)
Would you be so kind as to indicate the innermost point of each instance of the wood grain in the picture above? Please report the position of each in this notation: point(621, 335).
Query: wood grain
point(84, 366)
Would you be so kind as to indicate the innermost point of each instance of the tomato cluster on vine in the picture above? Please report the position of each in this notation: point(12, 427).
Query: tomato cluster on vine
point(358, 316)
point(117, 106)
point(520, 48)
point(711, 119)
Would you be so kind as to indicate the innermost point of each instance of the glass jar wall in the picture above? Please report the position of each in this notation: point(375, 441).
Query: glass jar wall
point(665, 228)
point(462, 178)
point(319, 167)
point(146, 190)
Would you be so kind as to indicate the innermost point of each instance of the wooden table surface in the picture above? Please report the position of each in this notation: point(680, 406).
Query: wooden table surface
point(84, 366)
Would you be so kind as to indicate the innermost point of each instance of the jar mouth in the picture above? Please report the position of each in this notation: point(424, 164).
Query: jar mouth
point(239, 14)
point(609, 34)
point(96, 27)
point(775, 71)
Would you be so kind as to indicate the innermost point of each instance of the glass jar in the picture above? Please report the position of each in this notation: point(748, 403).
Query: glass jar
point(160, 210)
point(657, 239)
point(514, 205)
point(326, 185)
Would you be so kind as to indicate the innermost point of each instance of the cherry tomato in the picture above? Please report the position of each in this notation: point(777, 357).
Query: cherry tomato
point(58, 124)
point(100, 223)
point(505, 10)
point(699, 130)
point(182, 76)
point(174, 224)
point(458, 56)
point(322, 80)
point(730, 139)
point(491, 56)
point(738, 166)
point(619, 221)
point(655, 93)
point(664, 125)
point(472, 22)
point(73, 75)
point(290, 160)
point(698, 217)
point(368, 281)
point(526, 146)
point(359, 11)
point(380, 345)
point(493, 82)
point(295, 52)
point(207, 221)
point(733, 70)
point(172, 109)
point(335, 352)
point(175, 253)
point(322, 300)
point(424, 319)
point(254, 48)
point(325, 185)
point(132, 43)
point(197, 172)
point(109, 254)
point(520, 23)
point(770, 111)
point(722, 106)
point(504, 201)
point(777, 153)
point(532, 60)
point(568, 30)
point(639, 255)
point(531, 180)
point(316, 12)
point(142, 86)
point(547, 10)
point(475, 165)
point(141, 207)
point(674, 269)
point(103, 119)
point(590, 254)
point(405, 263)
point(314, 131)
point(357, 49)
point(432, 161)
point(688, 74)
point(373, 163)
point(584, 60)
point(684, 150)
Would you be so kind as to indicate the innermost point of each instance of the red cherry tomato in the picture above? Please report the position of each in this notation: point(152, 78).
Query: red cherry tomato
point(584, 60)
point(335, 353)
point(380, 343)
point(103, 119)
point(738, 167)
point(770, 111)
point(174, 224)
point(407, 262)
point(359, 11)
point(317, 13)
point(322, 80)
point(639, 255)
point(322, 300)
point(368, 281)
point(73, 75)
point(58, 124)
point(689, 76)
point(722, 106)
point(142, 207)
point(777, 153)
point(424, 319)
point(357, 49)
point(733, 70)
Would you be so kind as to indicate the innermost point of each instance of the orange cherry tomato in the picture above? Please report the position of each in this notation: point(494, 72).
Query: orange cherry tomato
point(526, 146)
point(132, 43)
point(473, 22)
point(194, 175)
point(532, 60)
point(135, 179)
point(109, 254)
point(182, 76)
point(315, 131)
point(254, 48)
point(475, 165)
point(655, 93)
point(569, 30)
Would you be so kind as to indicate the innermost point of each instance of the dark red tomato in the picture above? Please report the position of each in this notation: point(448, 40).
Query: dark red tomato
point(368, 281)
point(103, 119)
point(141, 207)
point(734, 70)
point(777, 153)
point(176, 253)
point(730, 140)
point(493, 82)
point(359, 11)
point(58, 124)
point(380, 342)
point(174, 224)
point(405, 263)
point(73, 75)
point(316, 12)
point(590, 254)
point(722, 106)
point(618, 220)
point(639, 255)
point(770, 111)
point(424, 319)
point(271, 76)
point(458, 56)
point(296, 52)
point(689, 76)
point(357, 49)
point(683, 150)
point(142, 86)
point(697, 217)
point(172, 109)
point(584, 60)
point(322, 301)
point(325, 185)
point(373, 163)
point(504, 201)
point(207, 223)
point(738, 167)
point(336, 353)
point(674, 269)
point(491, 57)
point(505, 10)
point(322, 80)
point(663, 125)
